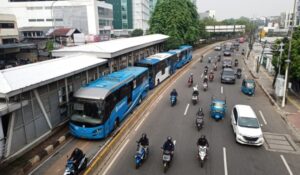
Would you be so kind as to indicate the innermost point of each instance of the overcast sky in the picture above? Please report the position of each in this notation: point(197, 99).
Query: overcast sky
point(249, 8)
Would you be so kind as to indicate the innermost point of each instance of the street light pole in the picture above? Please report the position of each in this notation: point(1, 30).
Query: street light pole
point(279, 60)
point(289, 56)
point(259, 59)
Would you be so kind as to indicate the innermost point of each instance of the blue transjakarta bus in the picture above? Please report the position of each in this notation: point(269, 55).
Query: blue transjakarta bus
point(101, 105)
point(184, 55)
point(187, 52)
point(160, 65)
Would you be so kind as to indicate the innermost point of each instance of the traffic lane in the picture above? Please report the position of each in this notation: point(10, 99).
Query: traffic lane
point(167, 121)
point(292, 161)
point(56, 164)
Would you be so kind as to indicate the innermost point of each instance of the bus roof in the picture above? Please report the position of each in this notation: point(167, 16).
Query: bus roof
point(153, 59)
point(161, 56)
point(107, 84)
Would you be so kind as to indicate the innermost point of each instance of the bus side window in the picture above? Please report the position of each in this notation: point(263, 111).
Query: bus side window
point(134, 84)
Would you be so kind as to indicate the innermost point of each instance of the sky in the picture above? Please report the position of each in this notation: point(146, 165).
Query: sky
point(249, 8)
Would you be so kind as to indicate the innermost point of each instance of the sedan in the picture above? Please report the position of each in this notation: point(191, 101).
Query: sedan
point(228, 76)
point(218, 48)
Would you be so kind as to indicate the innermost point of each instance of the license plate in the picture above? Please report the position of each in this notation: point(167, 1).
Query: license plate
point(166, 157)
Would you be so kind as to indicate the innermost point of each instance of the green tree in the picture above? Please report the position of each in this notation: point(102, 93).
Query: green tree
point(294, 73)
point(179, 20)
point(137, 32)
point(49, 45)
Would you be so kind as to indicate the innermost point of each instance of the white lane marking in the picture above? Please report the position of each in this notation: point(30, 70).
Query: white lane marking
point(221, 89)
point(225, 161)
point(201, 75)
point(34, 170)
point(262, 116)
point(186, 109)
point(138, 126)
point(114, 159)
point(286, 165)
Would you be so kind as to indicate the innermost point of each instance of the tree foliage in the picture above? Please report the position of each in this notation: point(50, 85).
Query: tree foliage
point(294, 72)
point(179, 20)
point(137, 32)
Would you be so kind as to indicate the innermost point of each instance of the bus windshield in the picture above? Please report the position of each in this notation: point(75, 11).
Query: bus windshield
point(88, 111)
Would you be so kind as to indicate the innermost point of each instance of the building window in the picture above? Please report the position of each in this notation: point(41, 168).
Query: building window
point(49, 20)
point(32, 20)
point(58, 19)
point(34, 8)
point(40, 20)
point(9, 41)
point(7, 25)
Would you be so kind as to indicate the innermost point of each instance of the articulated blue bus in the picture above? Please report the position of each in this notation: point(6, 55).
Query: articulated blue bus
point(101, 105)
point(184, 55)
point(160, 65)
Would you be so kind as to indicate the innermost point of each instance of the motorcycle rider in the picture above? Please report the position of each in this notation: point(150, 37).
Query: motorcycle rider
point(205, 70)
point(169, 145)
point(174, 93)
point(205, 79)
point(195, 91)
point(209, 59)
point(76, 157)
point(200, 112)
point(144, 142)
point(191, 80)
point(211, 75)
point(202, 141)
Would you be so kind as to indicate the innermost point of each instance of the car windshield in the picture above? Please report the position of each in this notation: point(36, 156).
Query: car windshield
point(218, 105)
point(228, 73)
point(250, 85)
point(248, 122)
point(89, 111)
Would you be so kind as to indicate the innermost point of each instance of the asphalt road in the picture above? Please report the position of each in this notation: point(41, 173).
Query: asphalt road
point(225, 155)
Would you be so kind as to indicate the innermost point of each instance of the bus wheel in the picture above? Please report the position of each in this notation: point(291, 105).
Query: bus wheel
point(116, 124)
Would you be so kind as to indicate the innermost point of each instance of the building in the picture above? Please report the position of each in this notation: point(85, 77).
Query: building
point(286, 20)
point(152, 4)
point(298, 13)
point(12, 52)
point(8, 29)
point(91, 17)
point(141, 14)
point(130, 14)
point(208, 14)
point(65, 36)
point(30, 108)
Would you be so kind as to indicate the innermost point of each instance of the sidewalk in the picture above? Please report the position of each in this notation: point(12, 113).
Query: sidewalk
point(291, 112)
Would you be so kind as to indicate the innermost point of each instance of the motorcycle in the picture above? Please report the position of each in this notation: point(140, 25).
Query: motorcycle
point(202, 153)
point(219, 58)
point(209, 60)
point(236, 63)
point(195, 99)
point(190, 82)
point(173, 100)
point(211, 77)
point(200, 119)
point(205, 72)
point(70, 167)
point(205, 86)
point(215, 67)
point(239, 73)
point(140, 156)
point(167, 158)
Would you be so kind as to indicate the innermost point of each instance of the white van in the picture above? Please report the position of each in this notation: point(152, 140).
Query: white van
point(246, 126)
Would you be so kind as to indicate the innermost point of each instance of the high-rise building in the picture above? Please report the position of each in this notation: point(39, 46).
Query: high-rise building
point(208, 14)
point(130, 14)
point(298, 13)
point(89, 16)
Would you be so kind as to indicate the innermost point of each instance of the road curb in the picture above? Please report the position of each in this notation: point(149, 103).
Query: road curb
point(44, 153)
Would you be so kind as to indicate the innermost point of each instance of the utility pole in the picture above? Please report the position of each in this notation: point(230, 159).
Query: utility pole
point(289, 56)
point(279, 60)
point(259, 59)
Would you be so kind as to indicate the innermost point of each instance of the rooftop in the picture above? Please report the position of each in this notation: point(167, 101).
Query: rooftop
point(23, 78)
point(113, 48)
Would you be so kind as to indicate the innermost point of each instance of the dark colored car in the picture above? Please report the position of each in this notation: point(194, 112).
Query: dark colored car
point(228, 76)
point(227, 63)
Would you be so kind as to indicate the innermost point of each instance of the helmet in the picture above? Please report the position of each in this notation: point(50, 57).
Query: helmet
point(76, 150)
point(144, 135)
point(169, 138)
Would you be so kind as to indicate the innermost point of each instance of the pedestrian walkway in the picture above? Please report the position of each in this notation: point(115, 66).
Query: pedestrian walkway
point(291, 111)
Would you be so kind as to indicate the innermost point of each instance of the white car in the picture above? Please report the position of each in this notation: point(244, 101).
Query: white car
point(246, 126)
point(218, 48)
